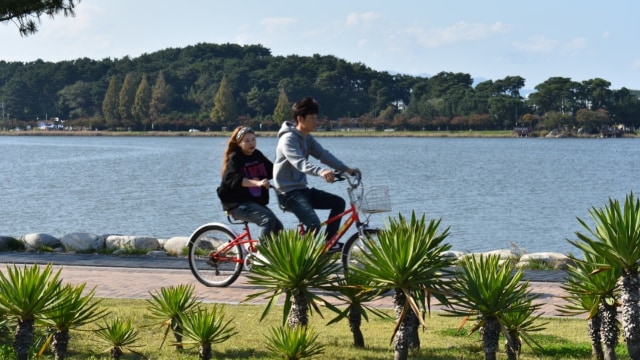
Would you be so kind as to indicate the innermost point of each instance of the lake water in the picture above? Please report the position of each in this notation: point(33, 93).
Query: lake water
point(493, 193)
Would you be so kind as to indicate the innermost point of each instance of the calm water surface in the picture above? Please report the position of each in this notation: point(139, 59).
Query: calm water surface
point(493, 193)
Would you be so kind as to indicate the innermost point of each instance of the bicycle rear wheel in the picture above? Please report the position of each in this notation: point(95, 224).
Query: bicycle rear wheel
point(211, 260)
point(356, 246)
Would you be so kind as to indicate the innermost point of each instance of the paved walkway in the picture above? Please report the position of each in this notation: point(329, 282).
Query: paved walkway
point(135, 277)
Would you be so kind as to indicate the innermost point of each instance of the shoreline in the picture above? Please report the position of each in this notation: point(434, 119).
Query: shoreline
point(318, 134)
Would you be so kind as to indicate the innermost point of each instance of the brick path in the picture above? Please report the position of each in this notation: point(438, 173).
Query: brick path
point(136, 277)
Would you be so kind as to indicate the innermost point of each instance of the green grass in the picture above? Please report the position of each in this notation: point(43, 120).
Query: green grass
point(562, 339)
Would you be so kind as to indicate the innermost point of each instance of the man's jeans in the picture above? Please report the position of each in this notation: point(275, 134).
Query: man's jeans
point(257, 214)
point(303, 202)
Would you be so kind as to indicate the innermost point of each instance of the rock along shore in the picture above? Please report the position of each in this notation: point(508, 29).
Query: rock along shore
point(82, 242)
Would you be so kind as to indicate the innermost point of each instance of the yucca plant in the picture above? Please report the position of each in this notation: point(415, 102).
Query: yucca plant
point(297, 343)
point(26, 293)
point(206, 328)
point(487, 290)
point(407, 258)
point(74, 310)
point(355, 292)
point(595, 294)
point(166, 306)
point(120, 335)
point(294, 264)
point(519, 325)
point(615, 238)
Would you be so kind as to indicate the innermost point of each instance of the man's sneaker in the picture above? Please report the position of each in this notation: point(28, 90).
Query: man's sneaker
point(336, 248)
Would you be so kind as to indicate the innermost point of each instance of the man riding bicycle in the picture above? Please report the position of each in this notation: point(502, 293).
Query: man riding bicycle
point(291, 167)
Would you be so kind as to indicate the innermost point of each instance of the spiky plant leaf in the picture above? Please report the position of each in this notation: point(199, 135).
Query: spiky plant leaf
point(206, 326)
point(119, 334)
point(295, 264)
point(298, 343)
point(167, 304)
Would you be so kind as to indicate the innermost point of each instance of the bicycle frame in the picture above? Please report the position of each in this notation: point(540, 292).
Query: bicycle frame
point(351, 214)
point(217, 254)
point(243, 238)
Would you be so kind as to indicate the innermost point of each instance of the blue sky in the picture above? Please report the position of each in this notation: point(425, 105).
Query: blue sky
point(580, 40)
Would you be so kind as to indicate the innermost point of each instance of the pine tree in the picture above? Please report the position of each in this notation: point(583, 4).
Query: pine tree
point(161, 97)
point(282, 112)
point(110, 104)
point(224, 109)
point(127, 97)
point(142, 103)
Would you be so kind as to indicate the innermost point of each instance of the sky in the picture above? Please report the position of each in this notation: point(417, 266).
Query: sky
point(489, 39)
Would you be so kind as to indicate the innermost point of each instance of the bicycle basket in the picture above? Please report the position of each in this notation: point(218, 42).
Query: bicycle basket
point(375, 199)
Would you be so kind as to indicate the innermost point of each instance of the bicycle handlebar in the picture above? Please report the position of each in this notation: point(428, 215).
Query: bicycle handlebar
point(353, 180)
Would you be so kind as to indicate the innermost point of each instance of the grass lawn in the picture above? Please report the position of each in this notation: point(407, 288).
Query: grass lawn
point(562, 338)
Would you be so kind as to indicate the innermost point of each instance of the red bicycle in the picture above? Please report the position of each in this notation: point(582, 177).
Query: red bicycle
point(217, 254)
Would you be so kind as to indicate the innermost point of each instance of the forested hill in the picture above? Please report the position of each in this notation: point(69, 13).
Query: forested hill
point(213, 85)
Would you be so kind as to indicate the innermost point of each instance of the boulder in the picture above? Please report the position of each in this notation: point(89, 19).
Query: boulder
point(554, 260)
point(36, 241)
point(176, 245)
point(453, 255)
point(131, 242)
point(82, 241)
point(504, 254)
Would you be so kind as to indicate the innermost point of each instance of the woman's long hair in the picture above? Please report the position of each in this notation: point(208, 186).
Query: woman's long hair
point(232, 145)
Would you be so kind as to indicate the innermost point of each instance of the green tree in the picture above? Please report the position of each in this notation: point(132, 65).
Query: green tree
point(282, 112)
point(27, 293)
point(488, 290)
point(592, 120)
point(161, 98)
point(206, 328)
point(78, 100)
point(408, 259)
point(26, 12)
point(293, 344)
point(126, 99)
point(355, 292)
point(120, 335)
point(168, 304)
point(224, 110)
point(142, 103)
point(293, 265)
point(596, 294)
point(74, 311)
point(110, 103)
point(256, 100)
point(615, 237)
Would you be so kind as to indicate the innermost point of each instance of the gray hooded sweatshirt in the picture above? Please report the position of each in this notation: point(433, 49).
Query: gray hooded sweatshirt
point(292, 165)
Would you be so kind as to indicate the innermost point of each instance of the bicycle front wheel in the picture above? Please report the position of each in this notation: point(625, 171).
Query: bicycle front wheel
point(212, 259)
point(357, 245)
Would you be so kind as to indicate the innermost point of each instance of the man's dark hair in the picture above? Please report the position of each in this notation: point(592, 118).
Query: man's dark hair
point(304, 107)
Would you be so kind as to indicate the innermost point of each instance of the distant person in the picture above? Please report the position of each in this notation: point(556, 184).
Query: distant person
point(292, 165)
point(244, 191)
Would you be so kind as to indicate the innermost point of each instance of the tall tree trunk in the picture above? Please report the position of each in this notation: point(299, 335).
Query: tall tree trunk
point(115, 353)
point(513, 346)
point(176, 328)
point(355, 320)
point(491, 338)
point(609, 330)
point(631, 313)
point(23, 339)
point(595, 325)
point(299, 315)
point(406, 339)
point(205, 352)
point(60, 344)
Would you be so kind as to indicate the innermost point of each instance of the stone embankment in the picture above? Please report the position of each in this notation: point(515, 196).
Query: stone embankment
point(115, 244)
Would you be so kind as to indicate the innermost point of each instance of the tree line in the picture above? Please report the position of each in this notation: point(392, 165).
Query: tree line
point(211, 86)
